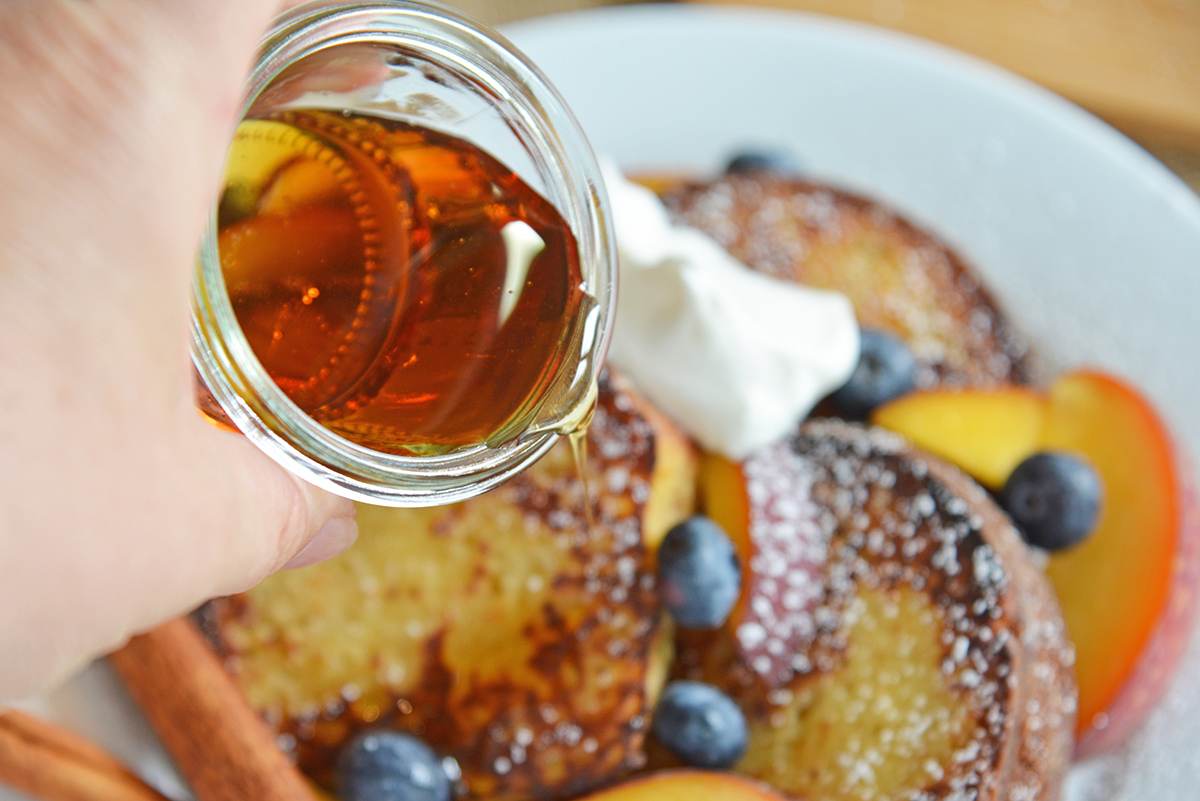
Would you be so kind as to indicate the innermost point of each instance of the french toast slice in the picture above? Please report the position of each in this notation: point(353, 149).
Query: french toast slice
point(899, 278)
point(894, 640)
point(500, 630)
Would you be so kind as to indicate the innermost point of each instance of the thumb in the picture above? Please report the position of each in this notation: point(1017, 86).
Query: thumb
point(278, 519)
point(273, 518)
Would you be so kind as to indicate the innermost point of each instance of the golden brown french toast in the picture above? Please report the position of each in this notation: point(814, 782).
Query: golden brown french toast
point(498, 629)
point(893, 639)
point(899, 278)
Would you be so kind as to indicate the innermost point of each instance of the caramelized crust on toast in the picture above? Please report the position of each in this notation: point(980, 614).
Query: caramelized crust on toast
point(496, 629)
point(894, 640)
point(899, 278)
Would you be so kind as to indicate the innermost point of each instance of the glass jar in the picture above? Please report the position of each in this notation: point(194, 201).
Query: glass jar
point(418, 67)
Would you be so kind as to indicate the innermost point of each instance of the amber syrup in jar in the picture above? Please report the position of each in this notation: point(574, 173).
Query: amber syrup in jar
point(405, 289)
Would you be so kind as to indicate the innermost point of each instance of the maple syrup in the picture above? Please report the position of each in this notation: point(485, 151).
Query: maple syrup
point(405, 289)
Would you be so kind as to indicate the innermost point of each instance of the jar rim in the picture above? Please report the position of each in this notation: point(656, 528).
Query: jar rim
point(542, 122)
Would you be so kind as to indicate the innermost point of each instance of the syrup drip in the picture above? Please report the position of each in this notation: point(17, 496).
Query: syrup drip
point(579, 453)
point(575, 428)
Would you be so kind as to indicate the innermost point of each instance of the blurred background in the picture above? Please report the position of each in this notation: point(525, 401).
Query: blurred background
point(1134, 63)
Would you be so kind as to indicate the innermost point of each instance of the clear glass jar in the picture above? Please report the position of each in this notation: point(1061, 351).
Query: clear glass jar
point(424, 64)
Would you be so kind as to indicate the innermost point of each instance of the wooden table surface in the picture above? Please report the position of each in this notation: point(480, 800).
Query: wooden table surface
point(1134, 63)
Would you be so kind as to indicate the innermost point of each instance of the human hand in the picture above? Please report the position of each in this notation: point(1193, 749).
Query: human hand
point(120, 506)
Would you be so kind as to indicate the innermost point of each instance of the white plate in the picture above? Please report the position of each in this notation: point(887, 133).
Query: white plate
point(1092, 245)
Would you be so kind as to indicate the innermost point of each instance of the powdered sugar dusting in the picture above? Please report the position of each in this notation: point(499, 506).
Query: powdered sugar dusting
point(790, 548)
point(976, 664)
point(504, 631)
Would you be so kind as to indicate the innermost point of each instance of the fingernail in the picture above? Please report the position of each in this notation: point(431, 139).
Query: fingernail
point(334, 537)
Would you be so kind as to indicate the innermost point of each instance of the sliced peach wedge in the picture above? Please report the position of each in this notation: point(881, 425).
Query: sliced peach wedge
point(687, 785)
point(1128, 592)
point(984, 433)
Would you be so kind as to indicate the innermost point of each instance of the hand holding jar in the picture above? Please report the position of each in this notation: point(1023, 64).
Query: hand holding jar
point(121, 505)
point(403, 294)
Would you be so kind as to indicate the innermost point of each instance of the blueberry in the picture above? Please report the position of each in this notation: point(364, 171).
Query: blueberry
point(1054, 498)
point(700, 724)
point(698, 574)
point(886, 369)
point(386, 765)
point(776, 162)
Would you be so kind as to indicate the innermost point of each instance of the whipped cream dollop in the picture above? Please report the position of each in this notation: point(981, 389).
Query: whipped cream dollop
point(736, 357)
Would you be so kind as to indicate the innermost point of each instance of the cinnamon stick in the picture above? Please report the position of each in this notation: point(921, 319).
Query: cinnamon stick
point(219, 744)
point(40, 759)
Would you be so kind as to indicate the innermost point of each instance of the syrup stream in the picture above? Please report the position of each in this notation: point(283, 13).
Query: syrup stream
point(575, 428)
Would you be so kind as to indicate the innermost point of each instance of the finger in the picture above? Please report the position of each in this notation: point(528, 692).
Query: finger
point(275, 518)
point(334, 537)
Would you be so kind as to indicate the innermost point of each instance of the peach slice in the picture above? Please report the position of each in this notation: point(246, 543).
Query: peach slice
point(1128, 592)
point(724, 499)
point(687, 785)
point(986, 434)
point(794, 585)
